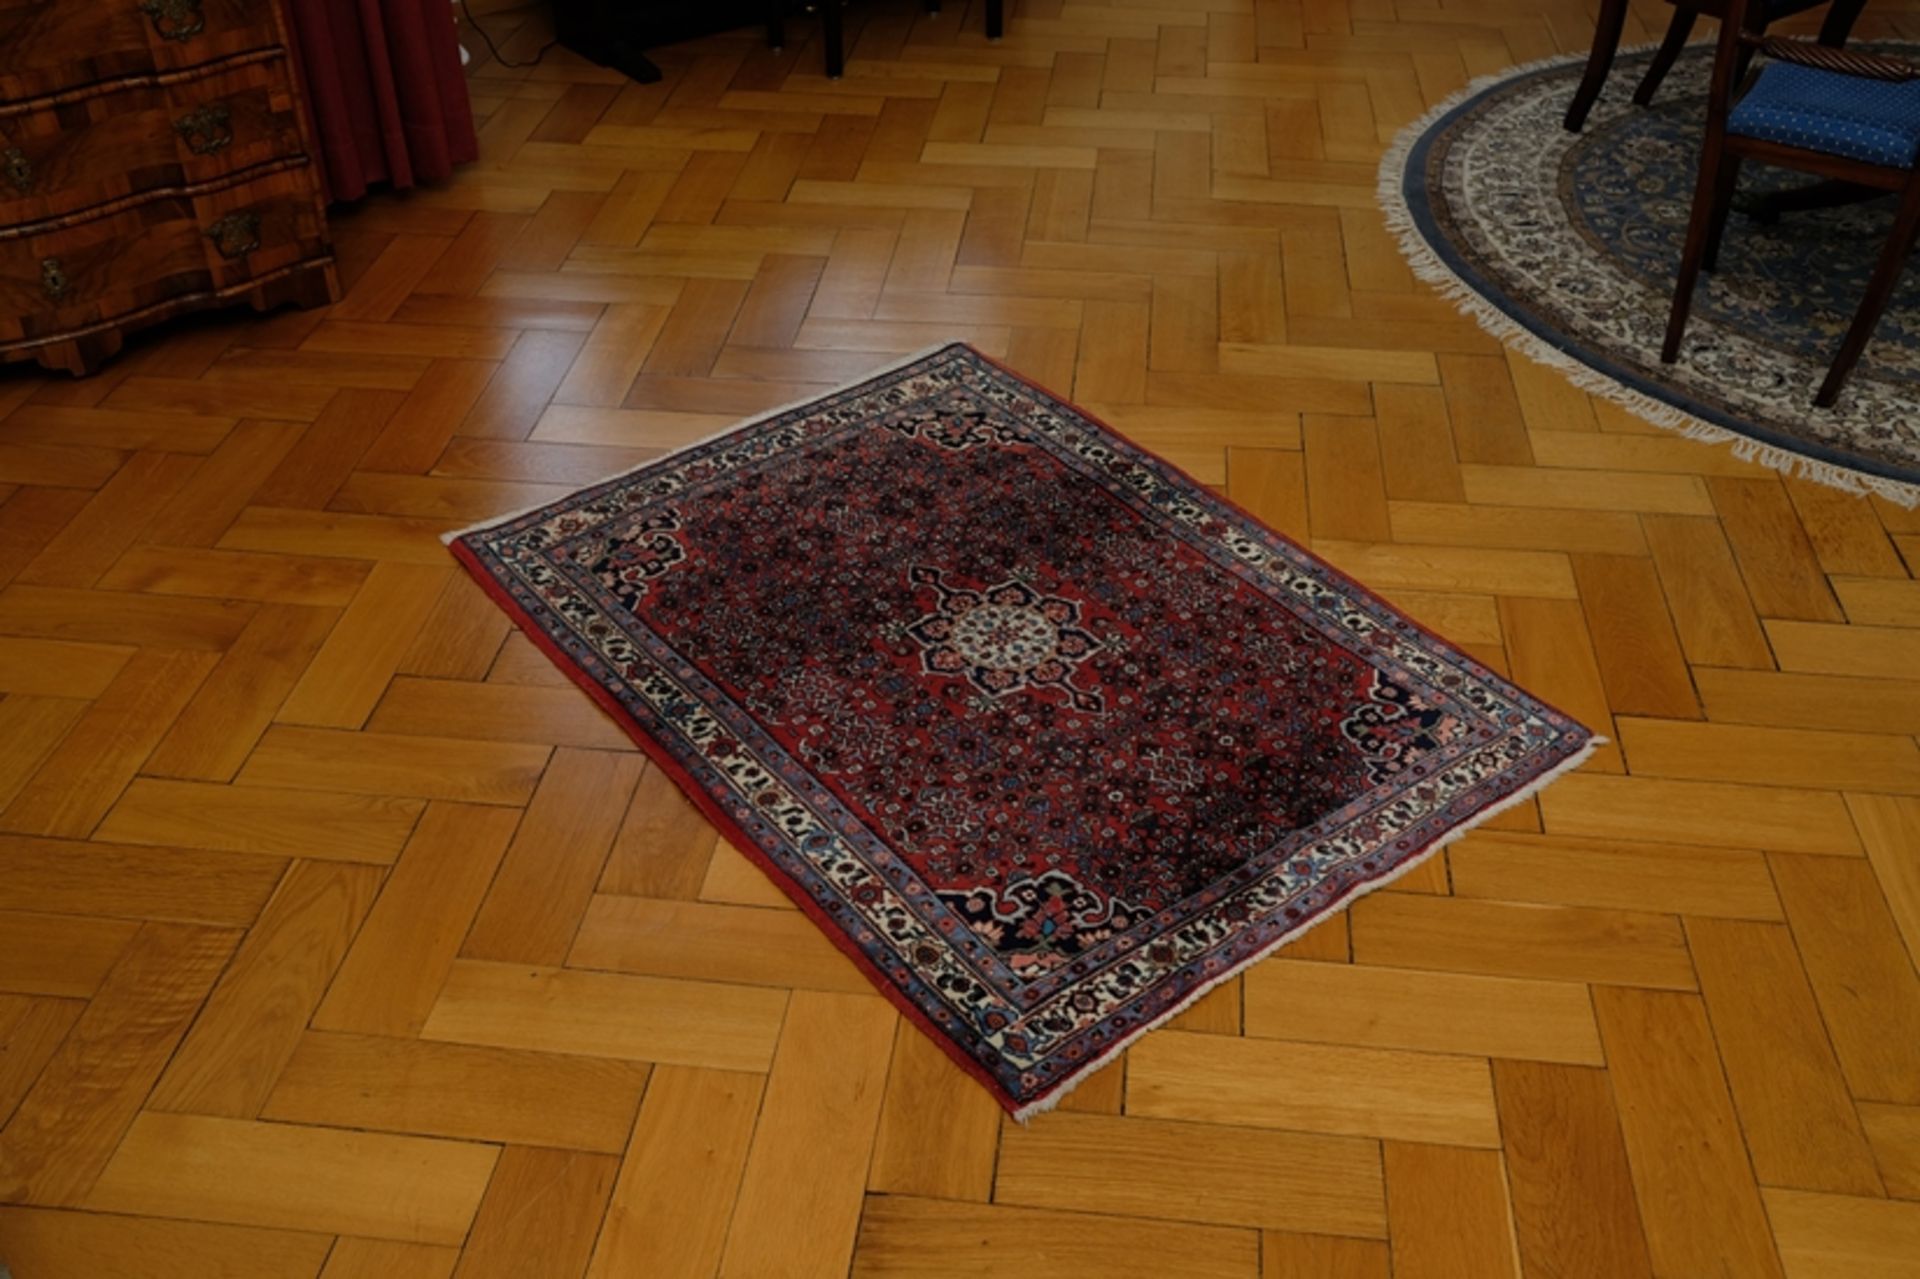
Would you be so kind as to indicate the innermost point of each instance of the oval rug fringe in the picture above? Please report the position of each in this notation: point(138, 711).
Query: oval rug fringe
point(1428, 266)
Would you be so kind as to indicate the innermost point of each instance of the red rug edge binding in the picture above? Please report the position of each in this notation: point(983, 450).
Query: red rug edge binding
point(737, 836)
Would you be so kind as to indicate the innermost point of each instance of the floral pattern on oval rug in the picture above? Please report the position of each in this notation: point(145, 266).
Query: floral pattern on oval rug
point(1567, 245)
point(1045, 736)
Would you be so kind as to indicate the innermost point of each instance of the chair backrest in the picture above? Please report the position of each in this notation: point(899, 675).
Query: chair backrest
point(1736, 42)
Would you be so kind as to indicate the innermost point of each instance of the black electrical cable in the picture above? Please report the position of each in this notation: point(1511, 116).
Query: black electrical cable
point(467, 13)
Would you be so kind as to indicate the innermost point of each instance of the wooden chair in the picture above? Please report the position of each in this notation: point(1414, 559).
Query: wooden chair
point(1839, 115)
point(830, 28)
point(1613, 16)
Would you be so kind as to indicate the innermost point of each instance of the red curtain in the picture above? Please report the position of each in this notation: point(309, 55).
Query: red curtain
point(383, 80)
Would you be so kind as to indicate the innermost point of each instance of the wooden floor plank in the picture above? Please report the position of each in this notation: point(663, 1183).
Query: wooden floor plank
point(449, 1090)
point(1285, 1255)
point(354, 1258)
point(939, 1134)
point(683, 1165)
point(252, 1021)
point(1795, 1112)
point(340, 685)
point(212, 737)
point(99, 878)
point(1428, 1011)
point(906, 1238)
point(711, 942)
point(539, 1215)
point(1573, 1193)
point(42, 1241)
point(1826, 1236)
point(389, 978)
point(649, 1019)
point(1449, 1212)
point(544, 885)
point(1144, 1168)
point(199, 1168)
point(1890, 828)
point(1347, 1091)
point(806, 1171)
point(31, 1029)
point(61, 1137)
point(1656, 810)
point(1701, 1208)
point(1562, 870)
point(1563, 943)
point(59, 955)
point(1771, 756)
point(259, 820)
point(1894, 1132)
point(1862, 976)
point(79, 781)
point(386, 764)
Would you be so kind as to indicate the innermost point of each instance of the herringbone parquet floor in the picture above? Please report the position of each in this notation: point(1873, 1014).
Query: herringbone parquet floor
point(339, 936)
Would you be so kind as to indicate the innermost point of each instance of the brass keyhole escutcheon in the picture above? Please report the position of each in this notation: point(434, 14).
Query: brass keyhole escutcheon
point(18, 168)
point(206, 130)
point(235, 235)
point(53, 278)
point(175, 19)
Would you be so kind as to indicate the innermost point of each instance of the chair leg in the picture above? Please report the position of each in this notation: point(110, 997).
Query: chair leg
point(1698, 224)
point(1676, 39)
point(1756, 25)
point(997, 18)
point(830, 36)
point(1606, 42)
point(1742, 63)
point(1886, 275)
point(1723, 189)
point(777, 25)
point(1841, 16)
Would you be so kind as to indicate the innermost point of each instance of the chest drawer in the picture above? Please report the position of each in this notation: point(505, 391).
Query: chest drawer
point(129, 262)
point(53, 44)
point(81, 154)
point(58, 160)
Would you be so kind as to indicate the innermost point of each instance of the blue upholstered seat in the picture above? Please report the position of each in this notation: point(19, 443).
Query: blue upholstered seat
point(1873, 120)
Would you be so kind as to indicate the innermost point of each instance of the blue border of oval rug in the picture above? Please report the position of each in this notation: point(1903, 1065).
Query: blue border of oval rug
point(1565, 246)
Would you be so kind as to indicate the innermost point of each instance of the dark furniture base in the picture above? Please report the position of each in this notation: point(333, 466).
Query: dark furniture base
point(617, 33)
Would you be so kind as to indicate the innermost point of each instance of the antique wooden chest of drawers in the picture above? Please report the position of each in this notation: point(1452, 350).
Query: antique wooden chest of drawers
point(153, 160)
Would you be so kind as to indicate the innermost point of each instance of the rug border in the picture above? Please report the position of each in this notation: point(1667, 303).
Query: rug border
point(1433, 264)
point(737, 836)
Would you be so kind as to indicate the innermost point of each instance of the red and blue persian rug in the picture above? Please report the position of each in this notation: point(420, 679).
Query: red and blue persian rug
point(1043, 734)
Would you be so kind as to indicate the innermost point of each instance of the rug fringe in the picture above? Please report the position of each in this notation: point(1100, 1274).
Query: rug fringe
point(1521, 796)
point(1427, 265)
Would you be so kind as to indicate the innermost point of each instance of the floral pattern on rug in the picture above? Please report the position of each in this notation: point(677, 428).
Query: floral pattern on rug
point(1569, 245)
point(1046, 736)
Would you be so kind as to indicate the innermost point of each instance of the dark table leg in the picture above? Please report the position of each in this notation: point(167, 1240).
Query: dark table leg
point(1841, 16)
point(1606, 41)
point(830, 36)
point(997, 19)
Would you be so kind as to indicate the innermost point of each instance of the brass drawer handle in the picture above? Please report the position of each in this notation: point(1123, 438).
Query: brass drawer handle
point(235, 235)
point(53, 278)
point(206, 130)
point(19, 169)
point(175, 19)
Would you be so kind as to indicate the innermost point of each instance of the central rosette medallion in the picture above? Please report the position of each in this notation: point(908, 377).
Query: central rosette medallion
point(1003, 638)
point(1006, 637)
